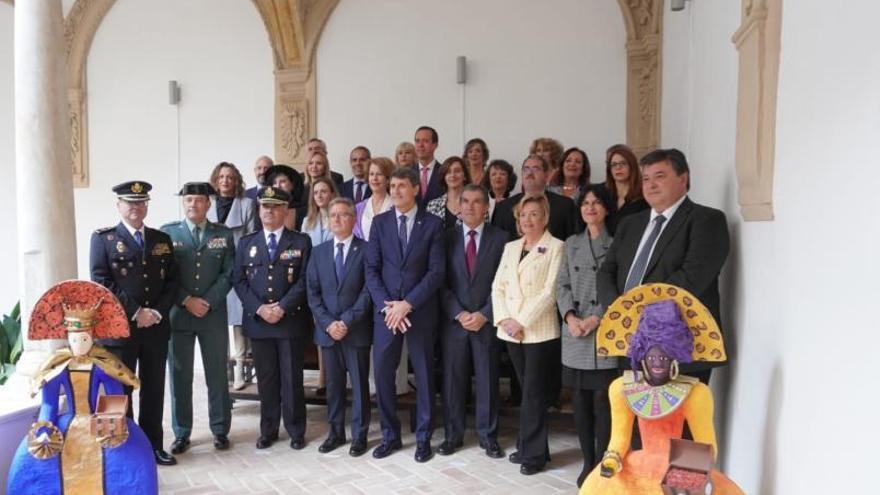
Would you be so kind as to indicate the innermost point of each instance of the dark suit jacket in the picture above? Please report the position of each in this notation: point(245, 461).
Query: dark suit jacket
point(415, 275)
point(563, 216)
point(259, 280)
point(347, 190)
point(463, 293)
point(137, 278)
point(689, 254)
point(433, 184)
point(348, 301)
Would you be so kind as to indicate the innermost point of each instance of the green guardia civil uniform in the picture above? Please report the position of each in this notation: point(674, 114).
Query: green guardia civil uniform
point(205, 271)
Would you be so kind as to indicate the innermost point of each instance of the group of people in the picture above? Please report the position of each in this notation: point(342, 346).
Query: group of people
point(443, 257)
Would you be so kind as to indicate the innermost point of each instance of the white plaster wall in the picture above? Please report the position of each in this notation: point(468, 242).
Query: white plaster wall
point(219, 51)
point(387, 66)
point(8, 291)
point(799, 290)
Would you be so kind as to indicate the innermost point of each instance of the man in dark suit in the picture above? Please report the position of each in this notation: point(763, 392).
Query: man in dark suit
point(676, 242)
point(260, 167)
point(427, 167)
point(356, 188)
point(137, 264)
point(563, 211)
point(269, 278)
point(473, 253)
point(204, 252)
point(405, 267)
point(343, 314)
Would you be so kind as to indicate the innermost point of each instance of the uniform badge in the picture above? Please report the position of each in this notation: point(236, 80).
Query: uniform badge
point(120, 247)
point(137, 188)
point(123, 271)
point(269, 192)
point(110, 237)
point(290, 275)
point(253, 252)
point(178, 244)
point(217, 243)
point(162, 273)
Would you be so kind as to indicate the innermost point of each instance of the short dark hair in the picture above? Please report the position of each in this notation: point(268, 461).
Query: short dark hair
point(540, 159)
point(601, 193)
point(362, 148)
point(447, 165)
point(504, 166)
point(484, 194)
point(674, 156)
point(407, 174)
point(435, 138)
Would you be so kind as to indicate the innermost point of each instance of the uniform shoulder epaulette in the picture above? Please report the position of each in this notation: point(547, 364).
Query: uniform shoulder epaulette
point(171, 224)
point(104, 230)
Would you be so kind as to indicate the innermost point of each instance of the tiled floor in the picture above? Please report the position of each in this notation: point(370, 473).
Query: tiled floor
point(245, 470)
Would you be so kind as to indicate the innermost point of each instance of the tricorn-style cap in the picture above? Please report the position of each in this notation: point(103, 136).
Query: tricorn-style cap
point(135, 190)
point(197, 188)
point(271, 195)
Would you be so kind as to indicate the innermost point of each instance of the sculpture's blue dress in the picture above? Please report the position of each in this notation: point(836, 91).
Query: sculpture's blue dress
point(128, 468)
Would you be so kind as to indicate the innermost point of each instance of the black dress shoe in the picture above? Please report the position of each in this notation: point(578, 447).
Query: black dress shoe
point(221, 442)
point(266, 442)
point(529, 469)
point(447, 447)
point(297, 443)
point(331, 444)
point(164, 458)
point(515, 457)
point(424, 453)
point(180, 445)
point(358, 448)
point(386, 448)
point(492, 448)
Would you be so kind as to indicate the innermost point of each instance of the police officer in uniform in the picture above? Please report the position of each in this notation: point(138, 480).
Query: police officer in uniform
point(204, 252)
point(137, 264)
point(270, 279)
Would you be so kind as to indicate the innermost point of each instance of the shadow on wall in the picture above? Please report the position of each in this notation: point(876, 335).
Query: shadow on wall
point(770, 454)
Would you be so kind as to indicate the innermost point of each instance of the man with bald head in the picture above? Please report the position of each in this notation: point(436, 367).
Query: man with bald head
point(262, 164)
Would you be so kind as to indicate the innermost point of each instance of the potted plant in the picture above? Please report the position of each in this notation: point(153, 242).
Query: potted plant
point(13, 425)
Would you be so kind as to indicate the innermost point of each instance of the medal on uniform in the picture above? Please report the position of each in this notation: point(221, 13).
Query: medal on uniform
point(123, 271)
point(162, 273)
point(120, 247)
point(253, 252)
point(290, 275)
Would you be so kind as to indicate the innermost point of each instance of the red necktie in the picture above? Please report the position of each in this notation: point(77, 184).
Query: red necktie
point(470, 253)
point(424, 190)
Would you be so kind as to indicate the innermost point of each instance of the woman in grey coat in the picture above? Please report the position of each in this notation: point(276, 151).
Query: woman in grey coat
point(584, 372)
point(233, 209)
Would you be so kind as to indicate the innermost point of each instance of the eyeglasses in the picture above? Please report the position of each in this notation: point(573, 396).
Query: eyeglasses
point(340, 215)
point(618, 164)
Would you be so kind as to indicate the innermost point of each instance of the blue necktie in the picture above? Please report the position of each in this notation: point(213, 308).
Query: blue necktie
point(641, 262)
point(340, 262)
point(359, 195)
point(401, 233)
point(139, 239)
point(273, 245)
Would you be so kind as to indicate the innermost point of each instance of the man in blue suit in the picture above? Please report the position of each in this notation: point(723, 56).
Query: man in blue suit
point(427, 167)
point(357, 189)
point(473, 253)
point(269, 278)
point(405, 268)
point(341, 306)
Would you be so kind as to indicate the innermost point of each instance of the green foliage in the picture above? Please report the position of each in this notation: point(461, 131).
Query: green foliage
point(11, 343)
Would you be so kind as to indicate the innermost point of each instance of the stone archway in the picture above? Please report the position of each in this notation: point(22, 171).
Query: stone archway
point(294, 28)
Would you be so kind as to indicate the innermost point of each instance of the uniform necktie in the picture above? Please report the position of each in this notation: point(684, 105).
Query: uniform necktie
point(470, 253)
point(273, 245)
point(641, 262)
point(196, 235)
point(424, 190)
point(340, 262)
point(401, 233)
point(139, 239)
point(359, 193)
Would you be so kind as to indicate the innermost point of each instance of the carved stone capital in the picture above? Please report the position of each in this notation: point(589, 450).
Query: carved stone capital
point(644, 29)
point(758, 43)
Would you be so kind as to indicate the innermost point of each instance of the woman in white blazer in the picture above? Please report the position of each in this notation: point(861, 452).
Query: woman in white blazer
point(232, 208)
point(524, 310)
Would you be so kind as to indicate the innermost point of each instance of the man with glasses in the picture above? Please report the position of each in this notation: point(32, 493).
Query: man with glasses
point(563, 211)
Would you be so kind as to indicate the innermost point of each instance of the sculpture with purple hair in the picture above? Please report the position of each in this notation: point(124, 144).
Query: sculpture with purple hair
point(661, 325)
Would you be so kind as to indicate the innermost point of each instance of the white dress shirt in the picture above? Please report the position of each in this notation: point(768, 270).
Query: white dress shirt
point(667, 213)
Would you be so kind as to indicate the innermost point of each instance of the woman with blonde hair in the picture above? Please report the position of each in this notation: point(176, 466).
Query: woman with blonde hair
point(524, 307)
point(405, 154)
point(316, 223)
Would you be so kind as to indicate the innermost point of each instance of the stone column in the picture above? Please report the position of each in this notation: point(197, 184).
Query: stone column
point(43, 169)
point(294, 115)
